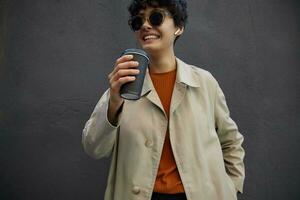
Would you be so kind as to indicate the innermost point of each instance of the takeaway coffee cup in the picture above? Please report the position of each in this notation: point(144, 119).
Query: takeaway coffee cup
point(132, 90)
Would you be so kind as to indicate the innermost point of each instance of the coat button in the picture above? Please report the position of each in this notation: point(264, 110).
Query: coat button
point(148, 143)
point(136, 190)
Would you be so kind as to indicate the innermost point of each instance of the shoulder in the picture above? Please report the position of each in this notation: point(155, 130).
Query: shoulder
point(203, 73)
point(195, 75)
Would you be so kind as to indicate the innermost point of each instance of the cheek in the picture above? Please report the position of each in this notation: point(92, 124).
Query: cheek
point(137, 38)
point(169, 36)
point(169, 31)
point(136, 35)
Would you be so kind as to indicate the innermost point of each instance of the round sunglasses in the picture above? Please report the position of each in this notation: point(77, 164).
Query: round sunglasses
point(155, 18)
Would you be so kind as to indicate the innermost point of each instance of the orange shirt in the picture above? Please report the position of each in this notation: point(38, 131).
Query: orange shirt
point(167, 179)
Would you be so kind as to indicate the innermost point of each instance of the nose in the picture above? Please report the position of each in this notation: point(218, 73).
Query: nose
point(146, 25)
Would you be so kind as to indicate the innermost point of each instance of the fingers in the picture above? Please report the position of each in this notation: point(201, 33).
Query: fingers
point(116, 85)
point(124, 67)
point(123, 76)
point(124, 71)
point(124, 58)
point(124, 62)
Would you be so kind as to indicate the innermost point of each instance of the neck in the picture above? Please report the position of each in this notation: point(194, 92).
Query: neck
point(162, 62)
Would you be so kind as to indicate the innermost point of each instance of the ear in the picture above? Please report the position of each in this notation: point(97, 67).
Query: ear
point(179, 31)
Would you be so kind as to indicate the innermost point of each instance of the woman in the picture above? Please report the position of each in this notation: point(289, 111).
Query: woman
point(177, 141)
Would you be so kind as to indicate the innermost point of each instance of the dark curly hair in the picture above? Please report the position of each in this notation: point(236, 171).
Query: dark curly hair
point(178, 8)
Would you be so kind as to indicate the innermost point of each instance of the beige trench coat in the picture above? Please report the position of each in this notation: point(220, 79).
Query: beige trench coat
point(206, 142)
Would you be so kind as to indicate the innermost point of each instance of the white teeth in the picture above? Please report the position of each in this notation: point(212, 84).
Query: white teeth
point(150, 37)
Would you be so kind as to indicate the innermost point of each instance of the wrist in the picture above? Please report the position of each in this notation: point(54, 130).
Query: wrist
point(114, 109)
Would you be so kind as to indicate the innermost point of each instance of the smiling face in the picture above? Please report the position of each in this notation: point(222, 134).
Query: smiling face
point(157, 39)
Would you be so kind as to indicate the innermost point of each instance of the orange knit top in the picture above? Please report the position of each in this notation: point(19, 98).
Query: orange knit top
point(167, 179)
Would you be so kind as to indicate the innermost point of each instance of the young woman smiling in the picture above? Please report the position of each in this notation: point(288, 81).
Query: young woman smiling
point(177, 141)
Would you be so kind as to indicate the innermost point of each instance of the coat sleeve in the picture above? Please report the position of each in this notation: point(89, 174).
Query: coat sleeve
point(231, 141)
point(99, 135)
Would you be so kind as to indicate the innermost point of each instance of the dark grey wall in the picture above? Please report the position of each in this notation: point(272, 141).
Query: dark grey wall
point(55, 56)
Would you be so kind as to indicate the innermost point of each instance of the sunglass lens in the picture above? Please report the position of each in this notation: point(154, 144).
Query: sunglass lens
point(136, 23)
point(156, 18)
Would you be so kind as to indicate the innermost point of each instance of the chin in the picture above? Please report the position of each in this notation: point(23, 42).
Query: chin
point(150, 48)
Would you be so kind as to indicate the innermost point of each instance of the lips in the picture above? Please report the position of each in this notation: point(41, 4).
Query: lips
point(150, 36)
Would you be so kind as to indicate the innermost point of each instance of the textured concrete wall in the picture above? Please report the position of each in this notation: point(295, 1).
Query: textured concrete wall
point(55, 56)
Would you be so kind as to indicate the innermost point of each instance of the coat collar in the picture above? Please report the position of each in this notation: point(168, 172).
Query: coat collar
point(185, 75)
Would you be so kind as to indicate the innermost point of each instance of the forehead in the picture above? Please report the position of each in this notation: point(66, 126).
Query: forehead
point(149, 9)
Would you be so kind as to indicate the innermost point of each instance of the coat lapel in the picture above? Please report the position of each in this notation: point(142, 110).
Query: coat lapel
point(150, 92)
point(185, 78)
point(177, 96)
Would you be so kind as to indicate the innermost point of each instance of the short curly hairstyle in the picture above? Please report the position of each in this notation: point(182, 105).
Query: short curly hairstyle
point(178, 9)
